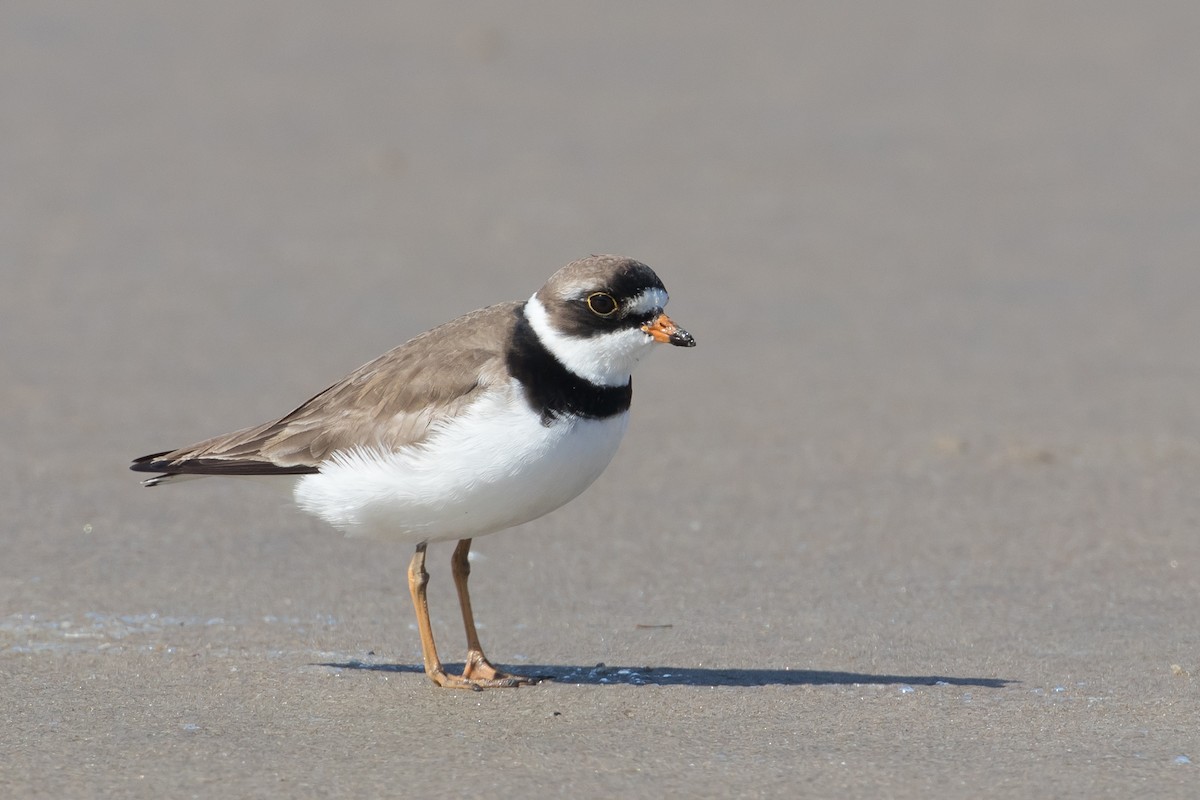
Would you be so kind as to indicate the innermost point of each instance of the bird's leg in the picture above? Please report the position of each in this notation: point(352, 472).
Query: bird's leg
point(477, 668)
point(418, 579)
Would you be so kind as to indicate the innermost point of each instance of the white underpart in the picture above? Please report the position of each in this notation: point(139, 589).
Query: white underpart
point(606, 359)
point(493, 467)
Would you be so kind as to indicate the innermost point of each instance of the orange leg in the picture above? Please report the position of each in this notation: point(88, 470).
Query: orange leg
point(418, 580)
point(477, 668)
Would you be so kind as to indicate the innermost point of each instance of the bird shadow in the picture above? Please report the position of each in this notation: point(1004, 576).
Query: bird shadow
point(605, 675)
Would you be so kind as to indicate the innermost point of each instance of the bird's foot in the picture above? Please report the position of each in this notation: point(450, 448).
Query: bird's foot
point(478, 682)
point(480, 671)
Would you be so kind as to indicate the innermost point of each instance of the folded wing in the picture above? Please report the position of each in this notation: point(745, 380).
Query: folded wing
point(393, 402)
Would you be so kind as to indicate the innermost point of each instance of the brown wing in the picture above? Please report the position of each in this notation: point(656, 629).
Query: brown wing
point(391, 402)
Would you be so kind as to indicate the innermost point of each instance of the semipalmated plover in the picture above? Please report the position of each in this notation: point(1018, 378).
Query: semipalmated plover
point(483, 423)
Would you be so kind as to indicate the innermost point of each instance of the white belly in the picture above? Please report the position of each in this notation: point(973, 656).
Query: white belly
point(494, 467)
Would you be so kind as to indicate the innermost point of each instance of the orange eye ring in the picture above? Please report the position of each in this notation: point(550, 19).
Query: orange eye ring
point(602, 304)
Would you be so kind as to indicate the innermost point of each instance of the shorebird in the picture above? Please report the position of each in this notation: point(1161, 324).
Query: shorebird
point(478, 425)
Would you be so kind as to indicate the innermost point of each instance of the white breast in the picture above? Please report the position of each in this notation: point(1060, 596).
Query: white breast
point(493, 467)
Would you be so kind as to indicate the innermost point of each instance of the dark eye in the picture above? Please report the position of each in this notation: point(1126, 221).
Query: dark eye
point(602, 304)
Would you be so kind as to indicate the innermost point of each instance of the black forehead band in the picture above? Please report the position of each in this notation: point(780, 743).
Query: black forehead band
point(632, 281)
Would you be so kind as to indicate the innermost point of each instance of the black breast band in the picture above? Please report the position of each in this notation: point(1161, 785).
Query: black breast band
point(552, 389)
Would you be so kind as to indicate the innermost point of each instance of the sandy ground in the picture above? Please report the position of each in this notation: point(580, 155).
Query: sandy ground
point(918, 517)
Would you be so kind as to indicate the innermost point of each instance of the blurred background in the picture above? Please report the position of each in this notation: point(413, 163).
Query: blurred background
point(940, 260)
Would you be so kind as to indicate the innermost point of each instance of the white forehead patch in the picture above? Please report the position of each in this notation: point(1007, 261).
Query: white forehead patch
point(646, 301)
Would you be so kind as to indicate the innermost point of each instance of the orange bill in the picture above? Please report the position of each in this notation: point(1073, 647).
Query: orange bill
point(663, 329)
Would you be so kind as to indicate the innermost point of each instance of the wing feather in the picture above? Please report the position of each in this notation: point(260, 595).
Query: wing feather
point(393, 402)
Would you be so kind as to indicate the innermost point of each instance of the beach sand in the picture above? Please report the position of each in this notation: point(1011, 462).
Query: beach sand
point(916, 518)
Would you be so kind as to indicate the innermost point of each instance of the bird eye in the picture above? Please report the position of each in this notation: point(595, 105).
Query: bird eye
point(602, 304)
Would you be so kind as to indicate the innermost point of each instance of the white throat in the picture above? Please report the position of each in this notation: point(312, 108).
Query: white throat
point(606, 359)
